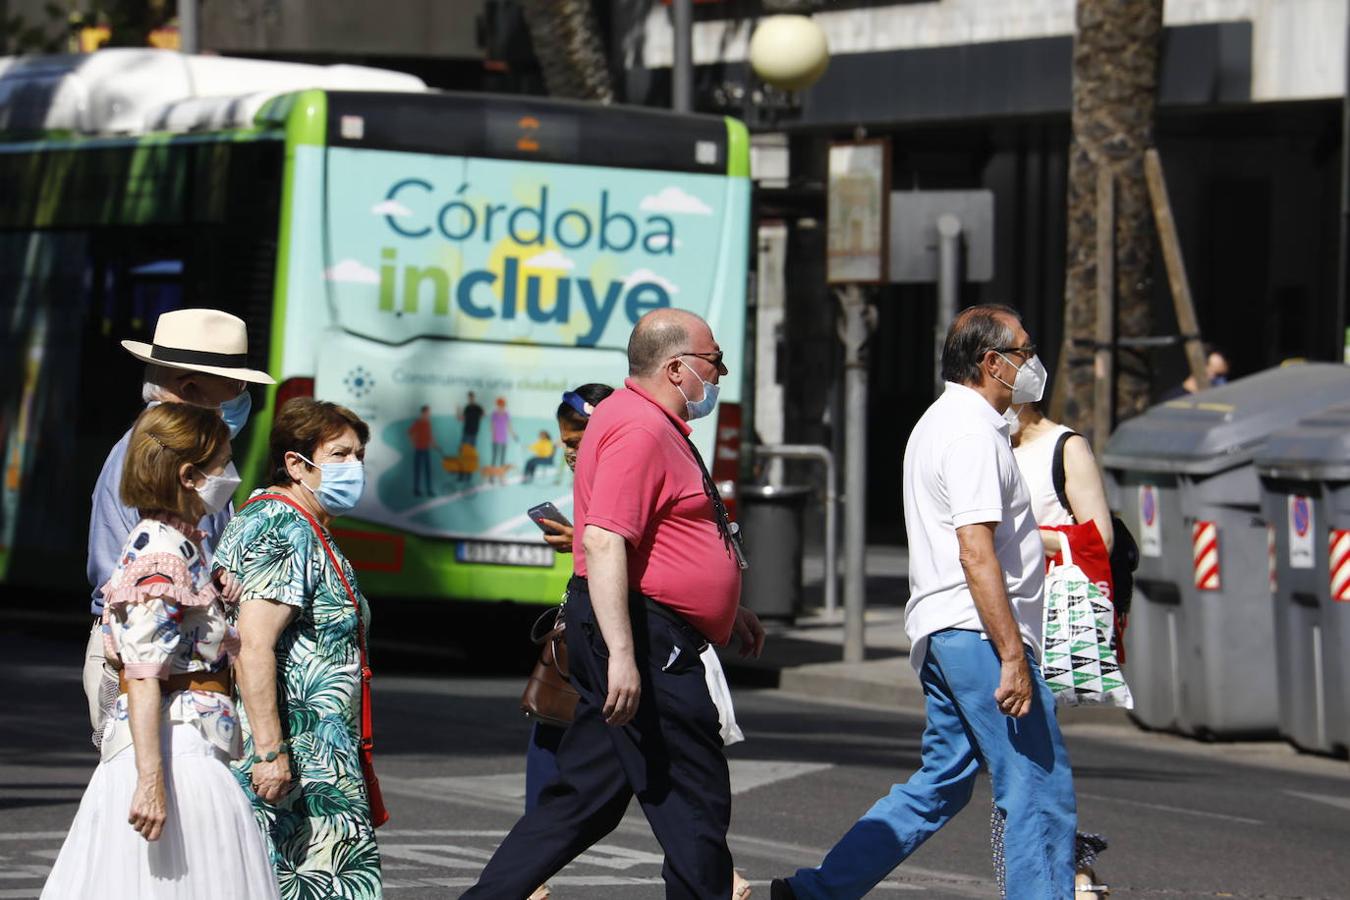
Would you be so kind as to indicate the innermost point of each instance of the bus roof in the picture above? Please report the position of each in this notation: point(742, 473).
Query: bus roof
point(132, 91)
point(536, 129)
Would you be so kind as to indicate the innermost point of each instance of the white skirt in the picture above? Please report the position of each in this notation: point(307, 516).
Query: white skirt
point(211, 847)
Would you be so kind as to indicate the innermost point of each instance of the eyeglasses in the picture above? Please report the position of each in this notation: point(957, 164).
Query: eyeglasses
point(1026, 352)
point(715, 357)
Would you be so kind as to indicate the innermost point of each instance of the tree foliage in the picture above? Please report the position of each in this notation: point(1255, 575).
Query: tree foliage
point(20, 35)
point(570, 51)
point(129, 22)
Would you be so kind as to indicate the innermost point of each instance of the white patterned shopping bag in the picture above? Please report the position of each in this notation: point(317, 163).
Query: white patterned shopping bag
point(1080, 664)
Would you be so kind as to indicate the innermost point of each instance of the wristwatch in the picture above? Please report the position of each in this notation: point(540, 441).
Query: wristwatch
point(271, 755)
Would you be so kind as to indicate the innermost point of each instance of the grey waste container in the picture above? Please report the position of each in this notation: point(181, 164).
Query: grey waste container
point(1305, 478)
point(771, 522)
point(1200, 649)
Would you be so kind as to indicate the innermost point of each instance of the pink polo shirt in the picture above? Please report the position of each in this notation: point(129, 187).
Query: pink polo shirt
point(637, 477)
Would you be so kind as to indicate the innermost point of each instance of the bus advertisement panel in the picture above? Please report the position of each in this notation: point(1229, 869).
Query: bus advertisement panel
point(463, 297)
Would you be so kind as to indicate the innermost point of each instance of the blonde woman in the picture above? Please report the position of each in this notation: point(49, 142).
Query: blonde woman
point(163, 817)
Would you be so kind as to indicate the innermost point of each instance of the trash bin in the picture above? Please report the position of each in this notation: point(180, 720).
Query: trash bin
point(771, 523)
point(1201, 656)
point(1149, 502)
point(1305, 479)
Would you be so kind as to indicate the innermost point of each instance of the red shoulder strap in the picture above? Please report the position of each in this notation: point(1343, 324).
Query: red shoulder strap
point(367, 739)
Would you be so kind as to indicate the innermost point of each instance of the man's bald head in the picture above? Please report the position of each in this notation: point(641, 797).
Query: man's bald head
point(659, 335)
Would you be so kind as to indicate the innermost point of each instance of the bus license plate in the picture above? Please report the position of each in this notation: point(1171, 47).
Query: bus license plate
point(502, 553)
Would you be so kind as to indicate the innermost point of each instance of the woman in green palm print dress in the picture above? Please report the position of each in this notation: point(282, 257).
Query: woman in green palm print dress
point(299, 668)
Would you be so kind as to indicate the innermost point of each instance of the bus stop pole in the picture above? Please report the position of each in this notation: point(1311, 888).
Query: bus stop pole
point(949, 284)
point(858, 320)
point(188, 27)
point(682, 68)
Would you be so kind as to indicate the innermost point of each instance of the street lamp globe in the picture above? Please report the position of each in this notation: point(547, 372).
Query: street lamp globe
point(789, 52)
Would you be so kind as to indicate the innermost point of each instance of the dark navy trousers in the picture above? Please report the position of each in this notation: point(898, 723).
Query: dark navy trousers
point(541, 760)
point(669, 756)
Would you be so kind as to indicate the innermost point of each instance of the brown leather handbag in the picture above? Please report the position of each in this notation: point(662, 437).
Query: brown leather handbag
point(549, 696)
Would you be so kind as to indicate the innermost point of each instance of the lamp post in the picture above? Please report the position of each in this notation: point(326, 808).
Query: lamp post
point(189, 27)
point(682, 67)
point(789, 52)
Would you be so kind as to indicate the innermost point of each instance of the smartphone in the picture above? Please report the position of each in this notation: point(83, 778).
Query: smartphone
point(548, 511)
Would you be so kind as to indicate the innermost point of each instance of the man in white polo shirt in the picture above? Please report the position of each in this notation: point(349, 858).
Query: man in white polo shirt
point(974, 621)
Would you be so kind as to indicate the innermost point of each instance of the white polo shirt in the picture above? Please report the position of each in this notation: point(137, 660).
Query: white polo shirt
point(960, 470)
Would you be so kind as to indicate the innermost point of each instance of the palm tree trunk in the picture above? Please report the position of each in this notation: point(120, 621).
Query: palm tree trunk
point(1115, 87)
point(567, 43)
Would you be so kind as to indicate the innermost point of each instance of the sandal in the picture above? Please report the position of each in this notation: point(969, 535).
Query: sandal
point(740, 888)
point(543, 892)
point(1086, 886)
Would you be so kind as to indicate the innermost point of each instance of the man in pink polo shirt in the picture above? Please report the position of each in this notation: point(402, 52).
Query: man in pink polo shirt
point(658, 576)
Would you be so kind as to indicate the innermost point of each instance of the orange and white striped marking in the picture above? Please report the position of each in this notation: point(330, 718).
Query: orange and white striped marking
point(1205, 554)
point(1340, 564)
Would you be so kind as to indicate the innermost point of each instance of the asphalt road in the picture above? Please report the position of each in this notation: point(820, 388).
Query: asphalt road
point(1184, 819)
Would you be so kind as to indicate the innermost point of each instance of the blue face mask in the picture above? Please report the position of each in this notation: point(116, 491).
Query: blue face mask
point(235, 412)
point(340, 485)
point(697, 409)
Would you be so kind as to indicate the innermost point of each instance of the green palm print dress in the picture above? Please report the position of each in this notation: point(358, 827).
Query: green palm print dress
point(320, 835)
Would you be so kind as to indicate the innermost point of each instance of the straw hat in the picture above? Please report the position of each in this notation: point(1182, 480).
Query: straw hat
point(202, 340)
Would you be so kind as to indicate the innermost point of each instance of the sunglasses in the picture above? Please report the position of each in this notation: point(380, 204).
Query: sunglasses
point(715, 357)
point(1026, 352)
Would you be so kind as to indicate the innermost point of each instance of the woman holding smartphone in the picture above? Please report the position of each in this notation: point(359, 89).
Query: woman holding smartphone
point(574, 412)
point(541, 757)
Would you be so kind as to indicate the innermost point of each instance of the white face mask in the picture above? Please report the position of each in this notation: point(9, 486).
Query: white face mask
point(1010, 415)
point(1029, 385)
point(218, 489)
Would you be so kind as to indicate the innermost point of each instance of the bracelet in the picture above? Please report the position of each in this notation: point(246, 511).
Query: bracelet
point(270, 756)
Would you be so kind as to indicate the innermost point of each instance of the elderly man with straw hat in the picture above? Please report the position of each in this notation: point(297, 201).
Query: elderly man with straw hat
point(199, 356)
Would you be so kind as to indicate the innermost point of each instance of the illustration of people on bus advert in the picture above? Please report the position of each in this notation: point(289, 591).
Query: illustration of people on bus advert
point(481, 480)
point(465, 296)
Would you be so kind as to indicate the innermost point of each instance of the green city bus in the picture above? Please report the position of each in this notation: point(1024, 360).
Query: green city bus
point(390, 251)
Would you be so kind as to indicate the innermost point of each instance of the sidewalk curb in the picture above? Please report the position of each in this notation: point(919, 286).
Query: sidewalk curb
point(886, 683)
point(890, 684)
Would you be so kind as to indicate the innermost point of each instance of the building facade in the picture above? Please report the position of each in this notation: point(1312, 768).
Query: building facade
point(976, 94)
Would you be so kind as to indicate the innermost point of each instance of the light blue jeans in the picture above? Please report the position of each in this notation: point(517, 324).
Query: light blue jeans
point(1027, 763)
